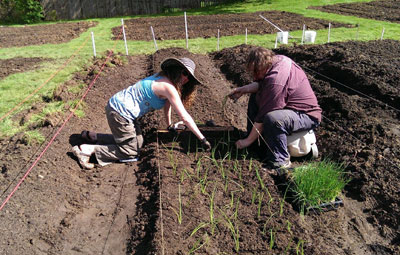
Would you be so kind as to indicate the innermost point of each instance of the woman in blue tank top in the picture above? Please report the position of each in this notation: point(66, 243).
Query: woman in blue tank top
point(172, 88)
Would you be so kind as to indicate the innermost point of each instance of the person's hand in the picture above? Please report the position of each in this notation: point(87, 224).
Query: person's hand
point(235, 94)
point(172, 129)
point(205, 144)
point(242, 143)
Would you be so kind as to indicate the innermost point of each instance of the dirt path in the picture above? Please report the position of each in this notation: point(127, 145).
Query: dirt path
point(64, 209)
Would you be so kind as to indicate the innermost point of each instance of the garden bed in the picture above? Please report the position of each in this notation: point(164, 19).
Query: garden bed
point(386, 10)
point(18, 65)
point(173, 28)
point(42, 34)
point(61, 209)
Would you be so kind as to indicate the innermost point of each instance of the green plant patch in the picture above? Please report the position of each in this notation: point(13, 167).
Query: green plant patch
point(317, 183)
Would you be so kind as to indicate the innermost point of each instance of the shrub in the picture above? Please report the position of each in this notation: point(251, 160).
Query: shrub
point(21, 11)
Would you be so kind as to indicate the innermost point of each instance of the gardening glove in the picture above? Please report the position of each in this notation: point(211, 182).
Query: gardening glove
point(172, 129)
point(205, 144)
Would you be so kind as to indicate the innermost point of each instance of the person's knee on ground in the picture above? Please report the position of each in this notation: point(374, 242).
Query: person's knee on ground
point(275, 135)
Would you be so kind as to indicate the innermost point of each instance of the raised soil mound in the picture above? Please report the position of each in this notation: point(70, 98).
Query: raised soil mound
point(178, 199)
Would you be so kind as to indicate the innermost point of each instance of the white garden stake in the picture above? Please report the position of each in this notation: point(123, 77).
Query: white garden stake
point(186, 32)
point(94, 46)
point(302, 35)
point(329, 32)
point(245, 39)
point(276, 41)
point(383, 31)
point(123, 32)
point(154, 38)
point(218, 40)
point(275, 26)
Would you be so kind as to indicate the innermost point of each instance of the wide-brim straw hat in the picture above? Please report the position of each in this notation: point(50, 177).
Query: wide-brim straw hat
point(186, 63)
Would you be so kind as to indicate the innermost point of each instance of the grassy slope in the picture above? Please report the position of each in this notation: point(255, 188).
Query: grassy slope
point(22, 84)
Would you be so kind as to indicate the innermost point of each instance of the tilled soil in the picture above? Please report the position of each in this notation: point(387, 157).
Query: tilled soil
point(228, 204)
point(42, 34)
point(134, 208)
point(18, 65)
point(173, 28)
point(386, 10)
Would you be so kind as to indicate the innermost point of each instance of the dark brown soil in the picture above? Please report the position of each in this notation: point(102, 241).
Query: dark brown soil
point(42, 34)
point(387, 10)
point(62, 209)
point(18, 65)
point(133, 208)
point(173, 28)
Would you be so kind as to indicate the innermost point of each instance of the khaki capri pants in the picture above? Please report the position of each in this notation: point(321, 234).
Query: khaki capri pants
point(124, 143)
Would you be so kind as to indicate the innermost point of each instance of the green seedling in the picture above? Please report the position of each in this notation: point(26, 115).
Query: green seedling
point(212, 220)
point(300, 247)
point(200, 226)
point(237, 168)
point(266, 223)
point(238, 184)
point(289, 227)
point(171, 157)
point(232, 198)
point(198, 245)
point(219, 164)
point(263, 186)
point(235, 213)
point(253, 195)
point(234, 230)
point(260, 199)
point(179, 212)
point(287, 249)
point(271, 238)
point(198, 167)
point(184, 173)
point(204, 182)
point(282, 203)
point(250, 165)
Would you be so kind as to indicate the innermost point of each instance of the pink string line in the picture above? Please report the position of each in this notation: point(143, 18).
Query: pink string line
point(49, 79)
point(58, 131)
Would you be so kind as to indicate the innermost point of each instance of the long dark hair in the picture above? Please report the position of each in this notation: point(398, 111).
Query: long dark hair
point(186, 91)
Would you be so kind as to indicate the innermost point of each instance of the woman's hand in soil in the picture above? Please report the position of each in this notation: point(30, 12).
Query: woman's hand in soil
point(236, 94)
point(242, 143)
point(205, 144)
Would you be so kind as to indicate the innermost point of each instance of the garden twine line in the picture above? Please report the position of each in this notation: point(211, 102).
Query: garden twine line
point(354, 90)
point(160, 196)
point(347, 132)
point(58, 130)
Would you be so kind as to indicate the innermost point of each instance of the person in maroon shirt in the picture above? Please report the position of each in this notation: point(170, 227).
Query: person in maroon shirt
point(281, 102)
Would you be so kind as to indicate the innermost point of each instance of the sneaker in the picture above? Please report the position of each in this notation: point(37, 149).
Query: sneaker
point(83, 158)
point(129, 160)
point(281, 168)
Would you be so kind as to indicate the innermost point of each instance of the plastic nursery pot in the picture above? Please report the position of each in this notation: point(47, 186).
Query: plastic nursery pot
point(309, 36)
point(282, 37)
point(325, 207)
